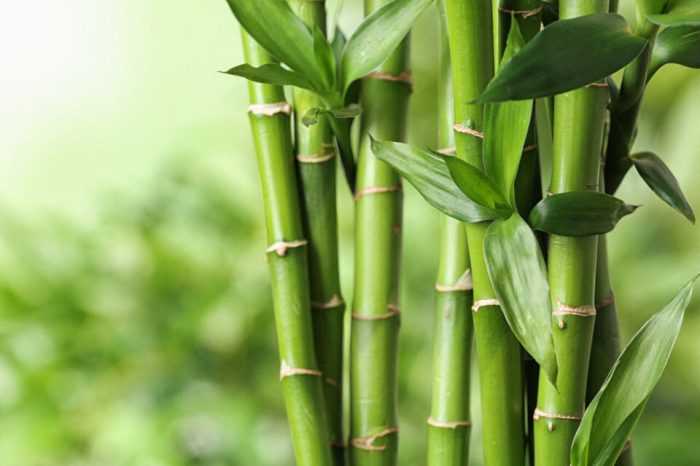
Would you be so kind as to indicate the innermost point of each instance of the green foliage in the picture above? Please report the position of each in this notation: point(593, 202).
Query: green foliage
point(566, 55)
point(271, 73)
point(477, 186)
point(678, 13)
point(579, 213)
point(616, 409)
point(678, 44)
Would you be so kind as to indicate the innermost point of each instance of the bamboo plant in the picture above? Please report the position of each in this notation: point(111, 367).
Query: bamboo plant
point(535, 137)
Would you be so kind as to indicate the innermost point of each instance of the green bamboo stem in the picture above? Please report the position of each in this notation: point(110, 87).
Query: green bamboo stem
point(316, 164)
point(288, 263)
point(449, 425)
point(500, 367)
point(577, 145)
point(378, 212)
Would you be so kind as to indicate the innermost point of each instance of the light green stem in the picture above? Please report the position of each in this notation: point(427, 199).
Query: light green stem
point(288, 263)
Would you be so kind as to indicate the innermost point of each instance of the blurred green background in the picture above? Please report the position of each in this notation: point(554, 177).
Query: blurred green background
point(136, 313)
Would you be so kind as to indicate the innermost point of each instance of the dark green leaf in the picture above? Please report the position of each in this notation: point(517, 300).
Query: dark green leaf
point(324, 57)
point(656, 174)
point(679, 44)
point(429, 174)
point(566, 55)
point(377, 37)
point(477, 186)
point(270, 73)
point(519, 277)
point(648, 7)
point(615, 410)
point(278, 30)
point(677, 13)
point(579, 213)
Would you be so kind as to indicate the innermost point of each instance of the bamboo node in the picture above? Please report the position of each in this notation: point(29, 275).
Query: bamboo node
point(287, 371)
point(525, 14)
point(319, 157)
point(405, 77)
point(539, 414)
point(467, 130)
point(597, 84)
point(561, 309)
point(376, 190)
point(448, 425)
point(367, 442)
point(463, 284)
point(280, 247)
point(270, 109)
point(610, 300)
point(448, 150)
point(483, 303)
point(393, 311)
point(334, 302)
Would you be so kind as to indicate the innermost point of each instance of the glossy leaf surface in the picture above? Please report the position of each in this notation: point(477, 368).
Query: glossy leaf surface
point(271, 73)
point(678, 12)
point(657, 175)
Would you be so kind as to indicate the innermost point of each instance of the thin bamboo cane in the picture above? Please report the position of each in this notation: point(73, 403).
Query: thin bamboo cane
point(378, 212)
point(500, 367)
point(578, 137)
point(449, 424)
point(316, 163)
point(288, 263)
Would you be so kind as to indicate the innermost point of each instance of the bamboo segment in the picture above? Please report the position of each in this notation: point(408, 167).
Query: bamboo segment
point(316, 164)
point(288, 263)
point(500, 368)
point(378, 212)
point(578, 137)
point(449, 424)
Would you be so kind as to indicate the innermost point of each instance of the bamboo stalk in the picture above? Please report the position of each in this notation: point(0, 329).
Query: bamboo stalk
point(316, 163)
point(577, 145)
point(288, 263)
point(378, 212)
point(449, 425)
point(500, 368)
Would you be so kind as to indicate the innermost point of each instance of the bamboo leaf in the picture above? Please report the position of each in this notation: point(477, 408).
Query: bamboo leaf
point(477, 186)
point(273, 24)
point(677, 13)
point(429, 174)
point(678, 44)
point(615, 410)
point(579, 213)
point(505, 129)
point(519, 277)
point(324, 57)
point(566, 55)
point(377, 37)
point(338, 44)
point(657, 175)
point(271, 73)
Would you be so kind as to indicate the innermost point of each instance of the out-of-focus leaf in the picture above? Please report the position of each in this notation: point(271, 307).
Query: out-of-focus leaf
point(615, 410)
point(338, 44)
point(477, 186)
point(677, 13)
point(519, 277)
point(377, 37)
point(271, 73)
point(324, 57)
point(311, 116)
point(657, 175)
point(505, 129)
point(429, 174)
point(579, 213)
point(273, 24)
point(649, 7)
point(678, 44)
point(566, 55)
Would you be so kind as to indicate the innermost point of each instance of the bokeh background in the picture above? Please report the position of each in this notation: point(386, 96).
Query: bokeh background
point(134, 299)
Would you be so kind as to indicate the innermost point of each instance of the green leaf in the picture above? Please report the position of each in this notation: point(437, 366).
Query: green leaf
point(278, 30)
point(647, 7)
point(519, 277)
point(615, 410)
point(377, 37)
point(566, 55)
point(679, 44)
point(656, 174)
point(505, 129)
point(678, 13)
point(311, 116)
point(271, 73)
point(429, 174)
point(338, 44)
point(579, 213)
point(477, 186)
point(324, 57)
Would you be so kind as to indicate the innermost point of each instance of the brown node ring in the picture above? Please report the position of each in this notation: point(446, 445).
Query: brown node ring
point(393, 312)
point(376, 190)
point(525, 14)
point(448, 425)
point(405, 77)
point(270, 109)
point(539, 414)
point(334, 302)
point(280, 247)
point(367, 442)
point(561, 309)
point(463, 284)
point(287, 371)
point(484, 303)
point(467, 130)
